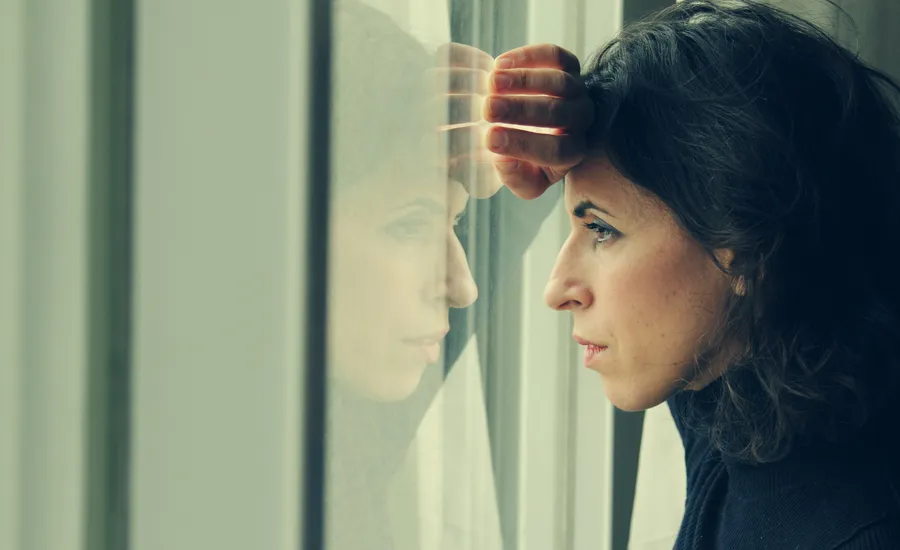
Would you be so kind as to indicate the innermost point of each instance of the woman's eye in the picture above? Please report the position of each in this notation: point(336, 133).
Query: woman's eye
point(604, 232)
point(408, 229)
point(419, 230)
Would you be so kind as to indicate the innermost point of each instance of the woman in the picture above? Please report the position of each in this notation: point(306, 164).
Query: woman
point(734, 208)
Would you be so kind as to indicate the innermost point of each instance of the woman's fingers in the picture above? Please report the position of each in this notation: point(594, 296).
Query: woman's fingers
point(463, 108)
point(550, 152)
point(468, 81)
point(465, 143)
point(479, 179)
point(460, 80)
point(540, 111)
point(534, 87)
point(543, 56)
point(524, 179)
point(469, 162)
point(453, 54)
point(552, 82)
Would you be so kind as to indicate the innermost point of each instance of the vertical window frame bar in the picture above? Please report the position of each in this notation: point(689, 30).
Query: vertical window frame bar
point(319, 50)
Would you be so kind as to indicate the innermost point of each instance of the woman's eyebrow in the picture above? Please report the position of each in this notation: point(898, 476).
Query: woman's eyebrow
point(582, 207)
point(430, 205)
point(455, 208)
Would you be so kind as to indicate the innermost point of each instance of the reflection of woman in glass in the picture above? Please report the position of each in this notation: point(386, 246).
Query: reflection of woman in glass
point(735, 210)
point(396, 265)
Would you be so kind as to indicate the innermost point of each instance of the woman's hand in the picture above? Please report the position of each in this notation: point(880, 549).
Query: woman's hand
point(462, 73)
point(537, 88)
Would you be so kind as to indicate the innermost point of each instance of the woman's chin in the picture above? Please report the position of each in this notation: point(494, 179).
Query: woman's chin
point(633, 397)
point(386, 385)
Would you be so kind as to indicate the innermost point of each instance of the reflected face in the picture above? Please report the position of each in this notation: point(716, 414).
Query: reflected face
point(396, 269)
point(644, 295)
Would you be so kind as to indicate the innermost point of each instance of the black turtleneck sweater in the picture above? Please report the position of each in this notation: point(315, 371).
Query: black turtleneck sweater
point(820, 497)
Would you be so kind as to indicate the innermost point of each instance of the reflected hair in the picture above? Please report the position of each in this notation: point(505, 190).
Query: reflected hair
point(381, 106)
point(766, 137)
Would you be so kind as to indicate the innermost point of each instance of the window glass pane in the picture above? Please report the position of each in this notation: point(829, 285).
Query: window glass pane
point(427, 428)
point(392, 245)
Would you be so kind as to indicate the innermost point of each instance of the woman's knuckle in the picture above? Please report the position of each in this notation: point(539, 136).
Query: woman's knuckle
point(514, 76)
point(560, 82)
point(528, 79)
point(555, 112)
point(516, 143)
point(513, 110)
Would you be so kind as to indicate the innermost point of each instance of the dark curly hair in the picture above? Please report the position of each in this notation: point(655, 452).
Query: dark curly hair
point(767, 138)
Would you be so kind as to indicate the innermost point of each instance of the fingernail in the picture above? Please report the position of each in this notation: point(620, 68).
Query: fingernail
point(498, 107)
point(502, 82)
point(506, 166)
point(499, 139)
point(504, 63)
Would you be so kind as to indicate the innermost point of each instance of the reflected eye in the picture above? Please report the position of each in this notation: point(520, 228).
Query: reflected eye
point(422, 228)
point(603, 231)
point(410, 229)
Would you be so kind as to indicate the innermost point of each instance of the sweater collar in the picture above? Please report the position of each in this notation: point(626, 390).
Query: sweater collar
point(873, 449)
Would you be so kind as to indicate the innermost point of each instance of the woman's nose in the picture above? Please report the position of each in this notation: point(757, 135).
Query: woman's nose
point(461, 288)
point(565, 290)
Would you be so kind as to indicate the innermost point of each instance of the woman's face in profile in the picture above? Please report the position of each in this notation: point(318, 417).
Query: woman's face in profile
point(396, 268)
point(639, 288)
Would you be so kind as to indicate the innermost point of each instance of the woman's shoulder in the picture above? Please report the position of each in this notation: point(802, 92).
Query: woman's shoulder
point(883, 534)
point(816, 501)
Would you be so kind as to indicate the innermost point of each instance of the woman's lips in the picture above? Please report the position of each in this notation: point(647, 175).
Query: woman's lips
point(592, 351)
point(429, 346)
point(431, 352)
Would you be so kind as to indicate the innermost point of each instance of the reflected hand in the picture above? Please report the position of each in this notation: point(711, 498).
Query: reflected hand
point(538, 88)
point(462, 73)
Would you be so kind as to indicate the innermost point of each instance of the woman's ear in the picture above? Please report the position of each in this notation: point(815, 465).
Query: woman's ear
point(725, 257)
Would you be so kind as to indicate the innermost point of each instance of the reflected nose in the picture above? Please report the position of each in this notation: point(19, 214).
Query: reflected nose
point(565, 290)
point(461, 289)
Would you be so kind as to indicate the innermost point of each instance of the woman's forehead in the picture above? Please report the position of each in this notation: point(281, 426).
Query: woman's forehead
point(388, 193)
point(597, 181)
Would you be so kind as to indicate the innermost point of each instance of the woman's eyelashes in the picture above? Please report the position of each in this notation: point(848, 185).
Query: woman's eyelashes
point(603, 232)
point(421, 229)
point(412, 229)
